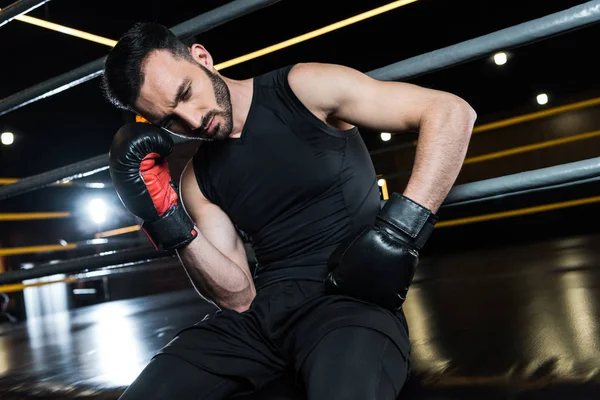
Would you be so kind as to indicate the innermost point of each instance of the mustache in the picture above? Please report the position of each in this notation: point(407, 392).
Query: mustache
point(205, 121)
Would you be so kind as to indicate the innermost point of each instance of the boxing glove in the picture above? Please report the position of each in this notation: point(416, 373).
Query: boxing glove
point(379, 263)
point(141, 177)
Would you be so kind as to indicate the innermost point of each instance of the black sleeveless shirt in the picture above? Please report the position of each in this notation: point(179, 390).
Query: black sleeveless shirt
point(294, 186)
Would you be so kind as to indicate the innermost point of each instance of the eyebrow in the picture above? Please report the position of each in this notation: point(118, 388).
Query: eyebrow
point(182, 87)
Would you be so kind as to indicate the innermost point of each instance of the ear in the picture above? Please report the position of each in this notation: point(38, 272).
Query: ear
point(201, 55)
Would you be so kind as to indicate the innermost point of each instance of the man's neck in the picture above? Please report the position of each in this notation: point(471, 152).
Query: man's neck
point(241, 92)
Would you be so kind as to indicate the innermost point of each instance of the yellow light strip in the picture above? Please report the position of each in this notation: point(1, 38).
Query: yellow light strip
point(519, 212)
point(531, 147)
point(318, 32)
point(66, 30)
point(384, 191)
point(17, 287)
point(270, 49)
point(9, 181)
point(536, 115)
point(119, 231)
point(11, 251)
point(33, 215)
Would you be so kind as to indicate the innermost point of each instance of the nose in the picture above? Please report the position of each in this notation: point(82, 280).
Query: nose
point(190, 115)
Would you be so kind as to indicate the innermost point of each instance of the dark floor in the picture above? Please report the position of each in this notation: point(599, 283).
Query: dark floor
point(508, 323)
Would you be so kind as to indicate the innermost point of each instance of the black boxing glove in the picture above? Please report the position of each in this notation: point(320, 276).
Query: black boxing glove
point(140, 174)
point(379, 263)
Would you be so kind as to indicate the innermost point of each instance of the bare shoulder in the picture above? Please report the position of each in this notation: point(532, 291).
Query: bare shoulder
point(313, 72)
point(321, 78)
point(321, 86)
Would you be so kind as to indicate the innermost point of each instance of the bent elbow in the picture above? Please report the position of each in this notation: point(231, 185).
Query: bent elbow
point(471, 114)
point(241, 300)
point(463, 108)
point(241, 307)
point(456, 110)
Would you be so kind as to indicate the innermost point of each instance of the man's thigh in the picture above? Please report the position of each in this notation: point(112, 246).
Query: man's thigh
point(168, 377)
point(229, 344)
point(354, 362)
point(325, 313)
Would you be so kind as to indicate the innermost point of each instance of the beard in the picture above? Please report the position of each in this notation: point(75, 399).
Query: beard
point(223, 98)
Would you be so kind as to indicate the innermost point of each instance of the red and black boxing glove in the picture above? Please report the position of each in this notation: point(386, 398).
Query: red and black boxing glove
point(140, 174)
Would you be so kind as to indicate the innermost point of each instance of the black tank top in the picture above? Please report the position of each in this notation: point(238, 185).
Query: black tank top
point(293, 186)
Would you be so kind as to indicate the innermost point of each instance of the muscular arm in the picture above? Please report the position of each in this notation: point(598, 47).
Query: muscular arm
point(444, 121)
point(216, 260)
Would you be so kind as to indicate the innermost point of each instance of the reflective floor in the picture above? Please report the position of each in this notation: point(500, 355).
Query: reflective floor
point(510, 323)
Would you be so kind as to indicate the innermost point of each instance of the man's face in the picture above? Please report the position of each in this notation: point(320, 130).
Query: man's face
point(184, 97)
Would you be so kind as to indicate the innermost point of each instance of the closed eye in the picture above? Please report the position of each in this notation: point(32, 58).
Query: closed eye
point(187, 93)
point(183, 96)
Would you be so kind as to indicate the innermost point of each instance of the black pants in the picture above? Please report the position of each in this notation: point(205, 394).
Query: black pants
point(338, 347)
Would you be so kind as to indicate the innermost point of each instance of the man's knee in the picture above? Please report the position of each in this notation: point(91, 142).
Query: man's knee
point(355, 363)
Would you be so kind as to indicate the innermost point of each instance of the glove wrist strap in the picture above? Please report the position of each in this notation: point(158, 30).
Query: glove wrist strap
point(412, 219)
point(172, 231)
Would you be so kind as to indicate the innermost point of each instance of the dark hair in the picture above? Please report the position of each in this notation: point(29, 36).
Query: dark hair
point(123, 76)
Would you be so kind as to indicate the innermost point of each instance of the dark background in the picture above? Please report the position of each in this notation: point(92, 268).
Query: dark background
point(503, 311)
point(78, 123)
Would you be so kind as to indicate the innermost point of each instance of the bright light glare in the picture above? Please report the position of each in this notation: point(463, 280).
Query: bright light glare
point(95, 185)
point(500, 58)
point(386, 136)
point(542, 98)
point(7, 138)
point(96, 241)
point(381, 182)
point(97, 210)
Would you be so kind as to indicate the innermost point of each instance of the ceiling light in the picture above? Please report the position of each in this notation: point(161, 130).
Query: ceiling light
point(500, 58)
point(386, 136)
point(7, 138)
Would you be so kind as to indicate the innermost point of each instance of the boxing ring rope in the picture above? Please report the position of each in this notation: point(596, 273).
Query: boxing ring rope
point(61, 174)
point(13, 10)
point(199, 24)
point(545, 144)
point(558, 176)
point(111, 258)
point(109, 270)
point(521, 34)
point(521, 183)
point(78, 245)
point(518, 35)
